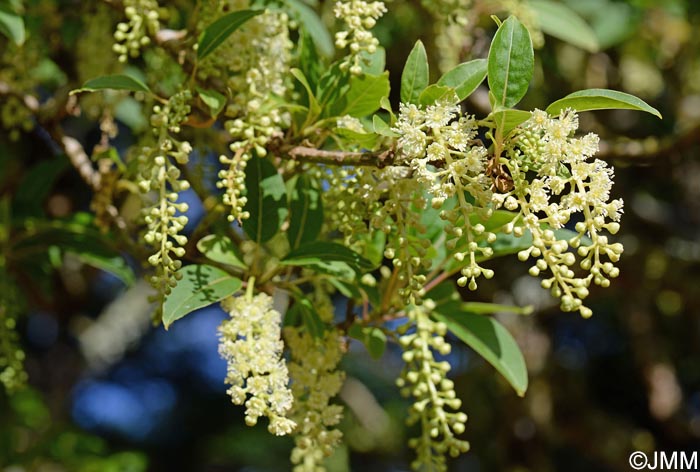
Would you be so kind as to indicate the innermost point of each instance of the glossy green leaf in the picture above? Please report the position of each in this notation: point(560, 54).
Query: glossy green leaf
point(314, 26)
point(382, 128)
point(363, 96)
point(352, 138)
point(305, 212)
point(511, 63)
point(213, 99)
point(507, 119)
point(323, 251)
point(374, 63)
point(372, 337)
point(200, 286)
point(12, 25)
point(303, 313)
point(416, 75)
point(113, 82)
point(465, 78)
point(267, 200)
point(219, 31)
point(314, 107)
point(492, 341)
point(220, 249)
point(560, 21)
point(601, 99)
point(434, 93)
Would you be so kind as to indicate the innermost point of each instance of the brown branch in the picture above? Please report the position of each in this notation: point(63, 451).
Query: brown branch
point(379, 159)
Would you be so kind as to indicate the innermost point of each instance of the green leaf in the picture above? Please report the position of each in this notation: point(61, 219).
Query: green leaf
point(415, 76)
point(12, 25)
point(364, 95)
point(324, 251)
point(507, 119)
point(372, 337)
point(511, 63)
point(355, 138)
point(220, 249)
point(373, 63)
point(303, 312)
point(314, 107)
point(76, 236)
point(481, 308)
point(435, 92)
point(267, 200)
point(305, 212)
point(492, 341)
point(35, 187)
point(221, 29)
point(465, 78)
point(314, 26)
point(113, 82)
point(213, 99)
point(382, 128)
point(200, 286)
point(601, 99)
point(558, 20)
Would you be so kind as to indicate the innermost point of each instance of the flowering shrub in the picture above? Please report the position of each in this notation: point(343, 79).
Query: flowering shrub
point(322, 190)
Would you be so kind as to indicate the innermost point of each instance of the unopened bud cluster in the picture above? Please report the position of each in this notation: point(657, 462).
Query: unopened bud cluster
point(142, 23)
point(12, 373)
point(315, 381)
point(359, 17)
point(250, 342)
point(160, 177)
point(436, 404)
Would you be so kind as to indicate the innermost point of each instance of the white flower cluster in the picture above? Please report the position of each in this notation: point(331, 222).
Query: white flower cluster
point(250, 342)
point(439, 145)
point(254, 62)
point(160, 175)
point(315, 381)
point(435, 401)
point(567, 185)
point(131, 36)
point(359, 17)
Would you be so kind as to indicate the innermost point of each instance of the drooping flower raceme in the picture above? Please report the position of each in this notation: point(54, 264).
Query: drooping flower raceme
point(359, 17)
point(568, 186)
point(435, 402)
point(250, 342)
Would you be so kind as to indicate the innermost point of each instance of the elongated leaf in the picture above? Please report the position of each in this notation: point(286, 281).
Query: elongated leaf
point(200, 286)
point(305, 213)
point(372, 337)
point(601, 99)
point(434, 93)
point(511, 63)
point(364, 95)
point(312, 23)
point(314, 107)
point(221, 29)
point(220, 249)
point(560, 21)
point(492, 341)
point(382, 128)
point(507, 119)
point(324, 251)
point(465, 78)
point(267, 200)
point(415, 76)
point(113, 82)
point(213, 99)
point(12, 25)
point(77, 237)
